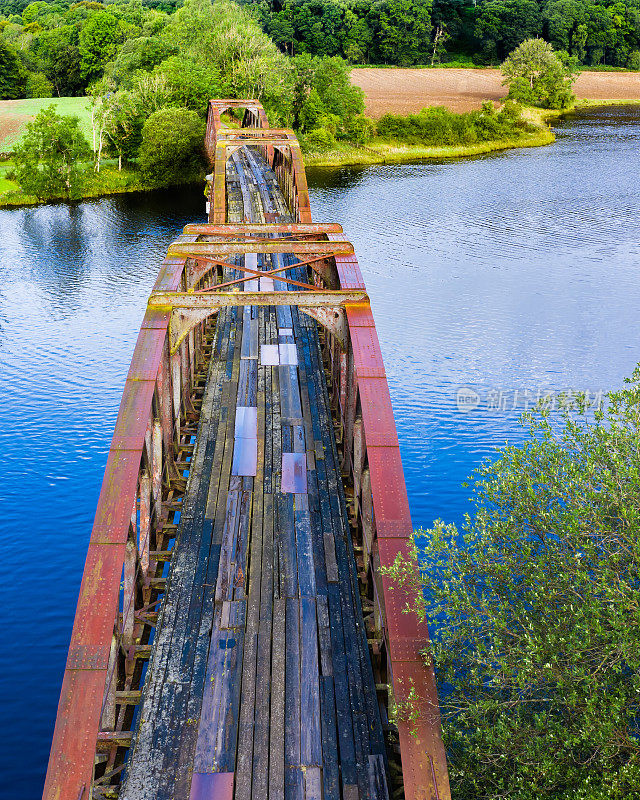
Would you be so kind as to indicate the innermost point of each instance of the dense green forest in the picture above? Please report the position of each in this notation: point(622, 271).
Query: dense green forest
point(134, 60)
point(61, 48)
point(409, 32)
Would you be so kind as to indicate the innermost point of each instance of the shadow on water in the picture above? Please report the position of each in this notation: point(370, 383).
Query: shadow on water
point(507, 274)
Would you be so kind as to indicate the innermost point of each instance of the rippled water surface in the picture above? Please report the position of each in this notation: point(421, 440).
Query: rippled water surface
point(510, 273)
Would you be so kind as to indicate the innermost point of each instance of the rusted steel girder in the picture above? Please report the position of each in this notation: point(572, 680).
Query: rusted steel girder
point(217, 300)
point(250, 229)
point(250, 245)
point(189, 309)
point(227, 141)
point(259, 134)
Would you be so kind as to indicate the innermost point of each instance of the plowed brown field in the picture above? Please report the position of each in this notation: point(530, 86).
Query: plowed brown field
point(403, 91)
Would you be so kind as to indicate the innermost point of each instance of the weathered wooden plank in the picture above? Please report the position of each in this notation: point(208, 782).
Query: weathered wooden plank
point(304, 552)
point(344, 722)
point(224, 584)
point(242, 544)
point(324, 635)
point(330, 755)
point(311, 737)
point(263, 679)
point(312, 784)
point(294, 784)
point(245, 732)
point(377, 778)
point(249, 335)
point(233, 614)
point(294, 473)
point(290, 405)
point(292, 686)
point(277, 711)
point(287, 546)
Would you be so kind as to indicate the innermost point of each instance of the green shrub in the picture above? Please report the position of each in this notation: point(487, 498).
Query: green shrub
point(310, 112)
point(318, 141)
point(634, 59)
point(439, 127)
point(360, 129)
point(38, 85)
point(172, 147)
point(534, 611)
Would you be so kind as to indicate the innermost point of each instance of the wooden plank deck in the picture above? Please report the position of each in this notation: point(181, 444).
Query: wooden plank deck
point(260, 685)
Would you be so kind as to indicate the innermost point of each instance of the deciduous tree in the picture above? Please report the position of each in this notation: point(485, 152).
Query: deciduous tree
point(536, 75)
point(534, 612)
point(13, 76)
point(99, 41)
point(47, 158)
point(172, 146)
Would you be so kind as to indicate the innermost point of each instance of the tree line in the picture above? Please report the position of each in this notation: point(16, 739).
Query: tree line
point(406, 32)
point(149, 75)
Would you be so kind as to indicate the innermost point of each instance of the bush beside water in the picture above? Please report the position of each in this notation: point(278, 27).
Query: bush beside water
point(438, 126)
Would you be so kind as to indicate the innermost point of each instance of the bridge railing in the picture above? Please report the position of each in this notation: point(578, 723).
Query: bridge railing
point(381, 523)
point(134, 527)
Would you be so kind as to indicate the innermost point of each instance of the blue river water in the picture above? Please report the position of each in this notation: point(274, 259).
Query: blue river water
point(493, 280)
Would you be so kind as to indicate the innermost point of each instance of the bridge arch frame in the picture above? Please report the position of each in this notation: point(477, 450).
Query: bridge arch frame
point(283, 154)
point(254, 117)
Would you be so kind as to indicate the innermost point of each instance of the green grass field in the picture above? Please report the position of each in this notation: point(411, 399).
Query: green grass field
point(14, 115)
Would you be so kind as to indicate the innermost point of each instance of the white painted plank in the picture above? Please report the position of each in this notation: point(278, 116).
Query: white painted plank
point(269, 355)
point(245, 457)
point(288, 354)
point(294, 473)
point(266, 284)
point(246, 422)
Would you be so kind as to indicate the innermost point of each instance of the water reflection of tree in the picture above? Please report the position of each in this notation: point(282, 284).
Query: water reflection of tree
point(55, 240)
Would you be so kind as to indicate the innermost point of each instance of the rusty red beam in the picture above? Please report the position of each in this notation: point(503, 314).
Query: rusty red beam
point(322, 249)
point(254, 274)
point(235, 230)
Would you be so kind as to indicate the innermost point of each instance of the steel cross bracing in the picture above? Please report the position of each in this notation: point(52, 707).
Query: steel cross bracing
point(325, 305)
point(154, 451)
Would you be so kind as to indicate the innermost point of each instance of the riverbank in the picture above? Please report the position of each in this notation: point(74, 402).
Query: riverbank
point(111, 181)
point(379, 151)
point(108, 181)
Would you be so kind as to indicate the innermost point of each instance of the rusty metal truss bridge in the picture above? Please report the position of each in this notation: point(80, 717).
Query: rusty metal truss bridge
point(234, 636)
